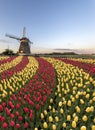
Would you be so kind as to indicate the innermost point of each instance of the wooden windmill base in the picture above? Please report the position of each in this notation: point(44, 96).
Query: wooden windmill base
point(24, 48)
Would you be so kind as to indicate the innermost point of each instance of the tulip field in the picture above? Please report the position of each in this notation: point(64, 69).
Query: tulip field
point(44, 93)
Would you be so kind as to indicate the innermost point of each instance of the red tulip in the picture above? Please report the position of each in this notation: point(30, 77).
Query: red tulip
point(25, 109)
point(31, 116)
point(12, 123)
point(37, 106)
point(3, 104)
point(1, 108)
point(12, 115)
point(17, 125)
point(7, 111)
point(20, 118)
point(45, 98)
point(10, 103)
point(17, 105)
point(31, 111)
point(17, 113)
point(2, 118)
point(31, 103)
point(26, 125)
point(12, 106)
point(5, 125)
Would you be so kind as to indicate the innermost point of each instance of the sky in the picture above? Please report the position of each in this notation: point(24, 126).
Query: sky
point(62, 24)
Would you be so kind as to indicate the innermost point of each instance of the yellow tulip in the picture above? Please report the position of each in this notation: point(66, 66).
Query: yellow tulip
point(92, 108)
point(68, 117)
point(90, 101)
point(93, 127)
point(94, 99)
point(53, 127)
point(74, 115)
point(77, 96)
point(60, 95)
point(64, 102)
point(60, 104)
point(73, 124)
point(51, 100)
point(45, 125)
point(61, 111)
point(56, 119)
point(69, 103)
point(87, 109)
point(73, 99)
point(83, 128)
point(87, 96)
point(50, 107)
point(42, 116)
point(76, 118)
point(93, 94)
point(53, 110)
point(64, 125)
point(84, 93)
point(84, 118)
point(81, 101)
point(94, 120)
point(45, 112)
point(50, 119)
point(78, 109)
point(35, 128)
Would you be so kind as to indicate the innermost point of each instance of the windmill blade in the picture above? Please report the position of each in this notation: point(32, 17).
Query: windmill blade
point(12, 36)
point(24, 31)
point(30, 42)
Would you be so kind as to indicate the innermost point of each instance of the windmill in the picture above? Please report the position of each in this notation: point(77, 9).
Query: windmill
point(24, 48)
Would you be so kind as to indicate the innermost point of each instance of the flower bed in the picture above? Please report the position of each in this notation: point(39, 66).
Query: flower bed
point(22, 109)
point(19, 79)
point(73, 106)
point(9, 63)
point(87, 67)
point(6, 60)
point(91, 61)
point(17, 68)
point(3, 57)
point(49, 95)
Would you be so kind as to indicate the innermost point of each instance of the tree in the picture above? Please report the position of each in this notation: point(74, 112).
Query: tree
point(8, 52)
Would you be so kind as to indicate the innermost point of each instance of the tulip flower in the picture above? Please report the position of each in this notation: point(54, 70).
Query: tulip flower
point(12, 123)
point(45, 125)
point(18, 125)
point(1, 108)
point(83, 128)
point(26, 124)
point(5, 125)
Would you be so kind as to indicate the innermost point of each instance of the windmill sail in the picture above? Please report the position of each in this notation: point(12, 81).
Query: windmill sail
point(12, 36)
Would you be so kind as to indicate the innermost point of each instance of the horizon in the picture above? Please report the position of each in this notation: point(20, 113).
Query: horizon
point(57, 50)
point(49, 24)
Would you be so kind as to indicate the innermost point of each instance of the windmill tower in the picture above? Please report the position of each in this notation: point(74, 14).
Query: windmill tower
point(24, 48)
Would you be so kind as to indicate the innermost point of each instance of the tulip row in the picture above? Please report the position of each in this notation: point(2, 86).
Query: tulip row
point(20, 66)
point(22, 109)
point(9, 63)
point(72, 106)
point(87, 67)
point(91, 61)
point(3, 57)
point(6, 60)
point(18, 79)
